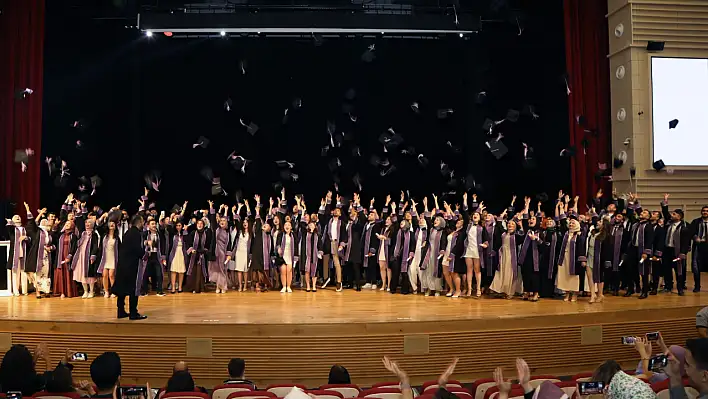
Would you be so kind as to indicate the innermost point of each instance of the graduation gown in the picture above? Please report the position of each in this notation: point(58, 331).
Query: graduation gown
point(129, 260)
point(261, 248)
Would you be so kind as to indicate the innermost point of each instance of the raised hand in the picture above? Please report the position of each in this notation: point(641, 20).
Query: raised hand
point(388, 199)
point(666, 197)
point(503, 385)
point(442, 380)
point(523, 371)
point(211, 204)
point(403, 196)
point(257, 198)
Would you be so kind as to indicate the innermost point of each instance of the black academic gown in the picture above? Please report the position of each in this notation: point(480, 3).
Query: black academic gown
point(129, 258)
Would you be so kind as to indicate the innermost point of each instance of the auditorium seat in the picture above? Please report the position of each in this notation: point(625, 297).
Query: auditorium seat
point(65, 395)
point(582, 377)
point(434, 385)
point(516, 393)
point(381, 393)
point(325, 394)
point(252, 395)
point(223, 391)
point(537, 380)
point(462, 393)
point(347, 390)
point(185, 395)
point(425, 396)
point(480, 387)
point(387, 384)
point(280, 390)
point(493, 391)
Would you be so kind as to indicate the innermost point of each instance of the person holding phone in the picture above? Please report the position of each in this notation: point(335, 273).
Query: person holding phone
point(105, 373)
point(696, 363)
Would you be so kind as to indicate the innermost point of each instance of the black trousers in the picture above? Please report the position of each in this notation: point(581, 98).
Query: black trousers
point(669, 267)
point(630, 269)
point(153, 271)
point(132, 304)
point(371, 269)
point(396, 275)
point(700, 253)
point(353, 273)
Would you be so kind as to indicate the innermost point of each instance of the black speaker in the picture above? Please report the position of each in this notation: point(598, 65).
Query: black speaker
point(655, 46)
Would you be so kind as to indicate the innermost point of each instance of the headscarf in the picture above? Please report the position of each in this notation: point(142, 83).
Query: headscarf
point(441, 222)
point(574, 227)
point(625, 386)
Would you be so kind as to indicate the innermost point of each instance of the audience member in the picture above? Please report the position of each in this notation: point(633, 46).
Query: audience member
point(524, 377)
point(17, 371)
point(702, 322)
point(181, 381)
point(339, 375)
point(182, 367)
point(696, 368)
point(237, 373)
point(105, 373)
point(59, 380)
point(620, 385)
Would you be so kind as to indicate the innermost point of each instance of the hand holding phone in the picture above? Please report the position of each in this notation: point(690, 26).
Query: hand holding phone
point(653, 336)
point(591, 388)
point(79, 357)
point(132, 393)
point(628, 340)
point(658, 363)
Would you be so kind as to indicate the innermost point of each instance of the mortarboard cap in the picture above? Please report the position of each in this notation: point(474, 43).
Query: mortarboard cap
point(228, 104)
point(658, 165)
point(356, 152)
point(334, 164)
point(673, 124)
point(21, 156)
point(481, 98)
point(201, 142)
point(96, 181)
point(497, 148)
point(350, 94)
point(529, 110)
point(444, 113)
point(415, 107)
point(368, 55)
point(285, 164)
point(216, 189)
point(324, 150)
point(568, 151)
point(422, 160)
point(512, 115)
point(80, 145)
point(297, 103)
point(207, 173)
point(542, 197)
point(487, 125)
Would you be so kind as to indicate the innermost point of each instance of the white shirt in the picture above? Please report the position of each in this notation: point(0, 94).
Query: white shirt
point(334, 233)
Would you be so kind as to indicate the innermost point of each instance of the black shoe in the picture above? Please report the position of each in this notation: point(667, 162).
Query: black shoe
point(667, 290)
point(680, 292)
point(696, 290)
point(122, 315)
point(653, 292)
point(643, 296)
point(358, 288)
point(161, 293)
point(616, 293)
point(628, 294)
point(137, 316)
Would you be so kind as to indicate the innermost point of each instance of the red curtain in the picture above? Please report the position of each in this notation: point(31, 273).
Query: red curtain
point(22, 66)
point(587, 65)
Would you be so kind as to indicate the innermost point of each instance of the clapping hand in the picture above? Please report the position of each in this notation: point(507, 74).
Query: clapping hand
point(442, 380)
point(503, 385)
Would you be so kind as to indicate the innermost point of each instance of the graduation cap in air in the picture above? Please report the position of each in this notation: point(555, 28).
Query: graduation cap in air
point(390, 139)
point(673, 124)
point(444, 113)
point(488, 125)
point(530, 110)
point(21, 157)
point(324, 150)
point(51, 166)
point(79, 124)
point(422, 160)
point(115, 215)
point(357, 182)
point(251, 127)
point(24, 93)
point(512, 115)
point(378, 161)
point(242, 65)
point(80, 145)
point(175, 209)
point(297, 103)
point(481, 98)
point(445, 169)
point(288, 175)
point(356, 152)
point(202, 142)
point(334, 164)
point(369, 55)
point(387, 171)
point(497, 147)
point(238, 162)
point(207, 173)
point(568, 151)
point(95, 183)
point(216, 188)
point(228, 104)
point(152, 180)
point(338, 139)
point(285, 164)
point(529, 161)
point(472, 184)
point(454, 148)
point(658, 165)
point(585, 143)
point(415, 107)
point(542, 197)
point(619, 159)
point(632, 171)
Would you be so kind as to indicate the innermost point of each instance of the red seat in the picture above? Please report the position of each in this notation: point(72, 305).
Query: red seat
point(387, 384)
point(64, 395)
point(495, 390)
point(480, 387)
point(280, 390)
point(252, 395)
point(381, 393)
point(325, 394)
point(223, 391)
point(434, 384)
point(462, 393)
point(347, 390)
point(185, 395)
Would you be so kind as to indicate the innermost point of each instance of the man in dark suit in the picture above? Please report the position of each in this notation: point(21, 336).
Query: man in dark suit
point(677, 245)
point(129, 258)
point(699, 236)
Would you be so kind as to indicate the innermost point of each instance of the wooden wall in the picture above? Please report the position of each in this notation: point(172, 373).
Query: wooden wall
point(683, 25)
point(560, 344)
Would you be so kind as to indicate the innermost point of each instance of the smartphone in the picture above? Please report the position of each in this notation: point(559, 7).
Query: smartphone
point(132, 393)
point(628, 340)
point(590, 387)
point(14, 395)
point(658, 363)
point(79, 357)
point(653, 336)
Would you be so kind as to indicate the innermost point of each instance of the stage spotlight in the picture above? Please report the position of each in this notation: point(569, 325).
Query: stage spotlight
point(462, 35)
point(148, 33)
point(223, 33)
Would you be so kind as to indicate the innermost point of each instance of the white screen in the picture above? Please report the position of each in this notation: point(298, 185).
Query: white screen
point(680, 91)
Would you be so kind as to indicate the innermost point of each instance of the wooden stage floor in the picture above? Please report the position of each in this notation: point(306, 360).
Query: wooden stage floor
point(297, 337)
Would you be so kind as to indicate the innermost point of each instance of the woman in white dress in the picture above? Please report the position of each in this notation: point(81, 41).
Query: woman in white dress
point(384, 244)
point(286, 250)
point(110, 245)
point(572, 259)
point(178, 255)
point(243, 253)
point(507, 279)
point(420, 239)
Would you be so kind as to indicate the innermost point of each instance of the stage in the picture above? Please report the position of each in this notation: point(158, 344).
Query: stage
point(298, 336)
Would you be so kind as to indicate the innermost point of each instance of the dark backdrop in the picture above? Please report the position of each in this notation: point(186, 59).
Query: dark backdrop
point(145, 101)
